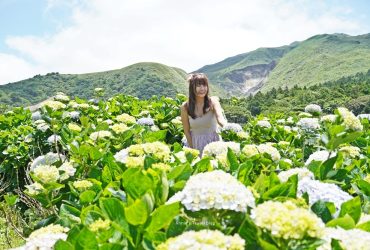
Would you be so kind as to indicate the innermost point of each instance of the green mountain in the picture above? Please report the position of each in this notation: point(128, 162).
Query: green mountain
point(142, 80)
point(316, 60)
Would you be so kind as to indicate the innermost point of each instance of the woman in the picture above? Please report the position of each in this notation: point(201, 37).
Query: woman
point(201, 114)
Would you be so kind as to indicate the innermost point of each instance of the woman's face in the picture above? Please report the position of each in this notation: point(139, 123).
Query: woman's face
point(201, 90)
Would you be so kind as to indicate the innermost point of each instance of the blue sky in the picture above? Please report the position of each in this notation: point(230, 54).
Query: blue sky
point(80, 36)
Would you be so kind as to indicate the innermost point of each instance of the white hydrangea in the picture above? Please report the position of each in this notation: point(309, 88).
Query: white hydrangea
point(350, 120)
point(61, 98)
point(220, 147)
point(54, 139)
point(353, 239)
point(288, 221)
point(308, 124)
point(264, 124)
point(318, 190)
point(54, 105)
point(121, 156)
point(100, 134)
point(280, 121)
point(35, 188)
point(203, 239)
point(329, 118)
point(176, 120)
point(214, 190)
point(232, 127)
point(46, 173)
point(145, 121)
point(48, 159)
point(42, 125)
point(350, 151)
point(68, 170)
point(74, 114)
point(302, 173)
point(322, 156)
point(36, 116)
point(364, 116)
point(45, 238)
point(270, 150)
point(313, 109)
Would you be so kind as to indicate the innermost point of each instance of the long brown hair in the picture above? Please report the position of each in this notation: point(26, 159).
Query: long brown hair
point(195, 80)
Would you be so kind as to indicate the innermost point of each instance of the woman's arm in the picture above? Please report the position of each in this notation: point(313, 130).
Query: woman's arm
point(186, 124)
point(218, 111)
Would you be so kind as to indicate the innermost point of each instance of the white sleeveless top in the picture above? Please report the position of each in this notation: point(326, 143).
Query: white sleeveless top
point(204, 124)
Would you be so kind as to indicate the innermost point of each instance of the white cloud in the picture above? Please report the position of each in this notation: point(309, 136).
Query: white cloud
point(189, 34)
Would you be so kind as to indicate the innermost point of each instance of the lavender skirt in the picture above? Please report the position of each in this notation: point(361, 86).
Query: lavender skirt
point(201, 140)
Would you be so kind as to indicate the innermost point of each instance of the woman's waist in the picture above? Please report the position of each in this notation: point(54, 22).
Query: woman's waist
point(204, 130)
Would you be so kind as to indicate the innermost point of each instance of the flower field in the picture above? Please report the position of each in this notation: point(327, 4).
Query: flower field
point(114, 174)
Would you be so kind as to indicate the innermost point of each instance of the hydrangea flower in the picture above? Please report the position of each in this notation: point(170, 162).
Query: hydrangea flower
point(220, 147)
point(157, 149)
point(48, 159)
point(35, 188)
point(54, 105)
point(353, 239)
point(68, 170)
point(287, 221)
point(119, 128)
point(36, 116)
point(327, 192)
point(242, 135)
point(100, 134)
point(234, 127)
point(313, 109)
point(74, 114)
point(270, 150)
point(54, 139)
point(263, 124)
point(45, 237)
point(42, 125)
point(329, 118)
point(309, 124)
point(46, 173)
point(350, 120)
point(214, 190)
point(250, 150)
point(61, 97)
point(350, 151)
point(82, 185)
point(322, 155)
point(302, 173)
point(126, 118)
point(99, 225)
point(74, 127)
point(364, 116)
point(145, 121)
point(203, 239)
point(176, 121)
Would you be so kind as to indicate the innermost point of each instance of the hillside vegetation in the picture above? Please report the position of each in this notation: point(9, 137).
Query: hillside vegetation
point(142, 80)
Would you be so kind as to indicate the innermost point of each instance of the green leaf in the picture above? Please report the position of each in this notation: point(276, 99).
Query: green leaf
point(364, 226)
point(86, 240)
point(352, 208)
point(136, 183)
point(69, 210)
point(203, 165)
point(176, 171)
point(326, 167)
point(288, 189)
point(137, 213)
point(321, 210)
point(163, 216)
point(87, 196)
point(345, 222)
point(364, 186)
point(232, 160)
point(110, 246)
point(248, 231)
point(151, 136)
point(63, 245)
point(148, 161)
point(244, 171)
point(113, 209)
point(11, 199)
